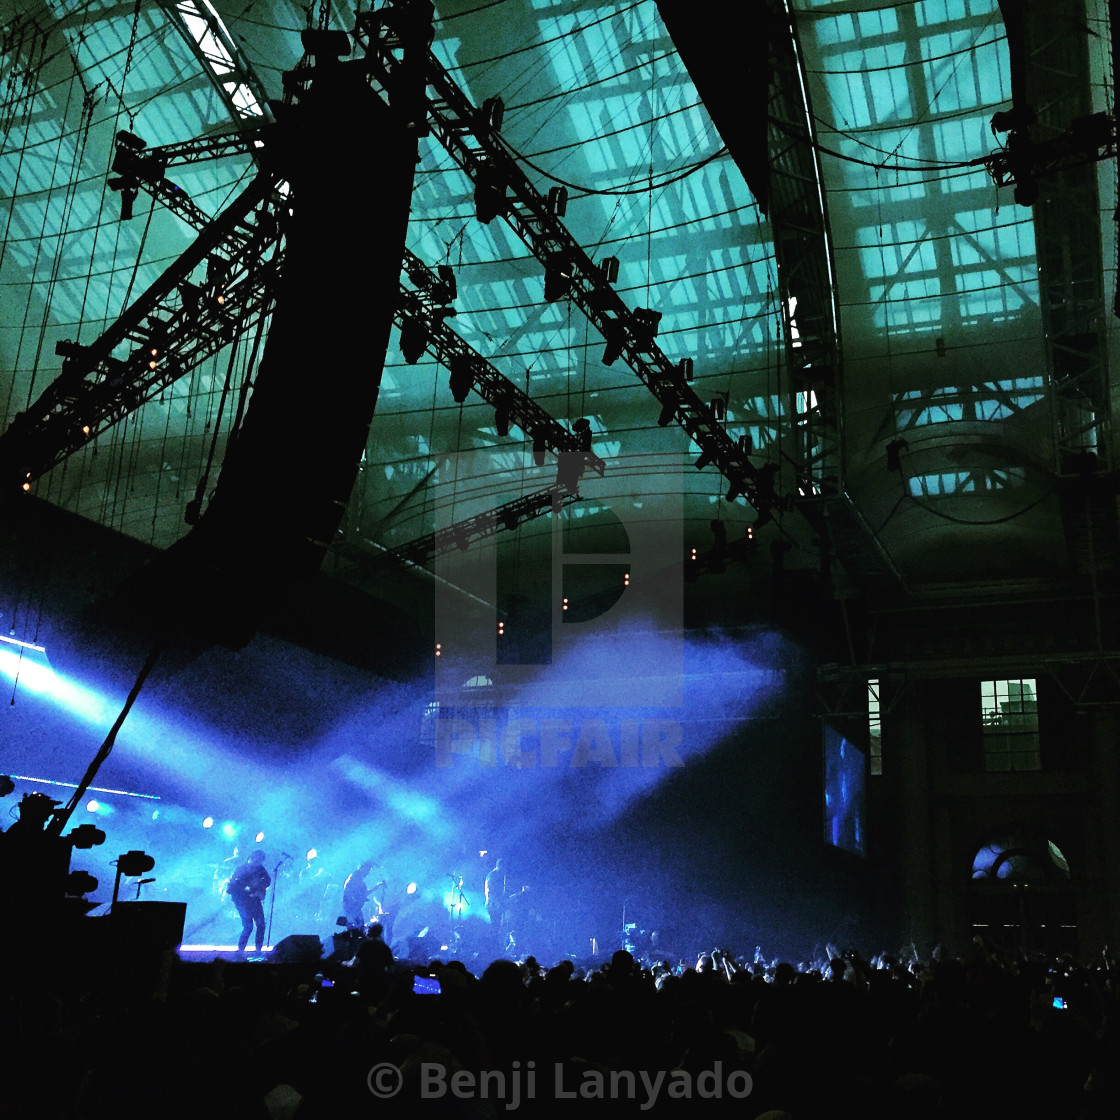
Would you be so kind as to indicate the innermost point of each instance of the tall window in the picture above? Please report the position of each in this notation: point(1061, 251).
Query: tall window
point(1010, 715)
point(874, 728)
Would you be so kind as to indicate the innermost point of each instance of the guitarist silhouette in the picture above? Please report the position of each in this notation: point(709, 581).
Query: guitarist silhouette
point(247, 888)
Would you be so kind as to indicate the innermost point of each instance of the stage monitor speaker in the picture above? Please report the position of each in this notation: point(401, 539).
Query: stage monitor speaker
point(297, 948)
point(157, 925)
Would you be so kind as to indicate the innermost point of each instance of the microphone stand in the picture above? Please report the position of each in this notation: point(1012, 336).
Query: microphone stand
point(456, 907)
point(272, 901)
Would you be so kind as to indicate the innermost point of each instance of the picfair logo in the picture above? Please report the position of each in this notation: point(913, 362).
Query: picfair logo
point(620, 649)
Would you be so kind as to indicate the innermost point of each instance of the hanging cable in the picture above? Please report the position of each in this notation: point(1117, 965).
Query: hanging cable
point(139, 253)
point(588, 192)
point(35, 268)
point(204, 478)
point(988, 521)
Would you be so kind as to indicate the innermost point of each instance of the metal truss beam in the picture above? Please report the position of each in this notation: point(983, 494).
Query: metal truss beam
point(462, 534)
point(185, 323)
point(423, 304)
point(97, 390)
point(225, 65)
point(420, 305)
point(472, 140)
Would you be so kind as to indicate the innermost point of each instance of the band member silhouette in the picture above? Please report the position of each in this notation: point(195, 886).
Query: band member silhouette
point(247, 888)
point(355, 895)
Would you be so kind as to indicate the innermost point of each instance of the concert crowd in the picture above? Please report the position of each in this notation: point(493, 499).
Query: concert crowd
point(357, 1032)
point(102, 1019)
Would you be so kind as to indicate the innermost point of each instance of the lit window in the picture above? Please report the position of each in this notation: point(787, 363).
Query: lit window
point(1010, 722)
point(874, 727)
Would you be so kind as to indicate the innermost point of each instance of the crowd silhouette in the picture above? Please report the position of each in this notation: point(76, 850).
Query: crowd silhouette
point(99, 1025)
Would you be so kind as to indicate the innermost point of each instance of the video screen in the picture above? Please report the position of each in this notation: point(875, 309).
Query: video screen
point(845, 768)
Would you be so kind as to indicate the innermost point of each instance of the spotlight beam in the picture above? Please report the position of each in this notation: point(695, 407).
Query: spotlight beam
point(89, 789)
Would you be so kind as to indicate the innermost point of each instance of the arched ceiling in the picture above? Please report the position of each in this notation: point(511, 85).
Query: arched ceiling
point(942, 335)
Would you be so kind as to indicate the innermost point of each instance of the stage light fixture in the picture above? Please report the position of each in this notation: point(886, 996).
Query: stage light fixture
point(134, 864)
point(558, 273)
point(668, 411)
point(558, 201)
point(128, 189)
point(92, 806)
point(414, 340)
point(501, 419)
point(410, 889)
point(80, 882)
point(461, 379)
point(614, 331)
point(259, 838)
point(86, 836)
point(646, 322)
point(136, 143)
point(493, 113)
point(189, 295)
point(489, 193)
point(569, 470)
point(66, 348)
point(539, 447)
point(609, 269)
point(447, 289)
point(686, 369)
point(706, 459)
point(439, 649)
point(207, 822)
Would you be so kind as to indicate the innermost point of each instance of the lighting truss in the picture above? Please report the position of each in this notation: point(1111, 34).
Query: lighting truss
point(462, 534)
point(97, 390)
point(473, 143)
point(106, 380)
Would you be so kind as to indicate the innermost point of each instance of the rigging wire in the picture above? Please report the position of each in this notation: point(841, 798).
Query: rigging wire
point(988, 521)
point(863, 71)
point(139, 252)
point(609, 192)
point(35, 266)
